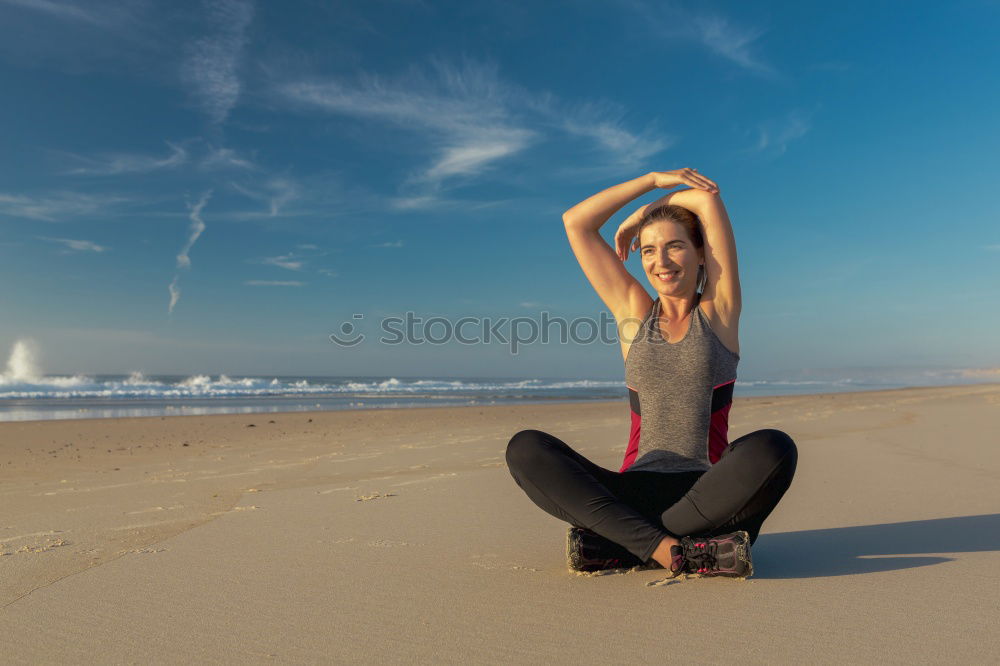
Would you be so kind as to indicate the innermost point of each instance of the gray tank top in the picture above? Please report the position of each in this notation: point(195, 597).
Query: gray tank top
point(680, 394)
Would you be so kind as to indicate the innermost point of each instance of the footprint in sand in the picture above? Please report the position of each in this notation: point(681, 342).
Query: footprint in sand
point(40, 548)
point(443, 475)
point(372, 496)
point(493, 565)
point(155, 508)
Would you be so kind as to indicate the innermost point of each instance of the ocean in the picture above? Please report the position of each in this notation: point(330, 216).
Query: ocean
point(29, 398)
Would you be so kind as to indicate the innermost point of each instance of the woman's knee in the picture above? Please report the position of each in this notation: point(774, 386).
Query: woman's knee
point(524, 447)
point(773, 446)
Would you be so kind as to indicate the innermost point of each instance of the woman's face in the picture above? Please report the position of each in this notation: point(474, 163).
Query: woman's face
point(669, 258)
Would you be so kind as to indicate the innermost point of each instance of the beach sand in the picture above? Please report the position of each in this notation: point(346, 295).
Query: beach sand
point(399, 536)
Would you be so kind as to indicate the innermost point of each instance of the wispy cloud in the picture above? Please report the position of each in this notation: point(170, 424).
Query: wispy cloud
point(286, 261)
point(213, 61)
point(603, 123)
point(414, 203)
point(464, 112)
point(183, 257)
point(774, 137)
point(992, 247)
point(297, 260)
point(274, 283)
point(175, 293)
point(75, 245)
point(196, 229)
point(114, 164)
point(195, 152)
point(226, 158)
point(718, 34)
point(732, 42)
point(472, 120)
point(276, 192)
point(62, 10)
point(56, 206)
point(389, 244)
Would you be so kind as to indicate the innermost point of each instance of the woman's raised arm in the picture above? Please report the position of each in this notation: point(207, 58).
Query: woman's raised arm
point(599, 262)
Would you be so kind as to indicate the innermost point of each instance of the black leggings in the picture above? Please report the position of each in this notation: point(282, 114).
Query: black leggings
point(637, 509)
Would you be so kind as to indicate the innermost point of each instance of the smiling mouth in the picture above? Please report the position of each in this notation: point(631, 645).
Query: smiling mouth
point(667, 276)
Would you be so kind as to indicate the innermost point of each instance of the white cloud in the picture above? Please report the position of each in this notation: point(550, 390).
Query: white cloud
point(62, 10)
point(115, 164)
point(991, 247)
point(415, 203)
point(276, 192)
point(56, 206)
point(775, 137)
point(226, 158)
point(274, 283)
point(75, 245)
point(731, 42)
point(389, 244)
point(175, 294)
point(472, 120)
point(287, 261)
point(721, 36)
point(473, 153)
point(213, 61)
point(196, 229)
point(603, 123)
point(183, 258)
point(465, 113)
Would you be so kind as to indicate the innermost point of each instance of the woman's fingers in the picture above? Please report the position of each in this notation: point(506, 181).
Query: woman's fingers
point(699, 181)
point(702, 182)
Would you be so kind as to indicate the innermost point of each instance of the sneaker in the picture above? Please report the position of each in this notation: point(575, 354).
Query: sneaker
point(724, 555)
point(589, 551)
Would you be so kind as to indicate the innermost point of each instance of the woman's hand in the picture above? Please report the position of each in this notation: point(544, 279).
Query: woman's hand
point(625, 236)
point(664, 179)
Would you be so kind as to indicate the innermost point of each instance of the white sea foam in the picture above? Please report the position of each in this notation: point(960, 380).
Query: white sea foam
point(27, 383)
point(23, 379)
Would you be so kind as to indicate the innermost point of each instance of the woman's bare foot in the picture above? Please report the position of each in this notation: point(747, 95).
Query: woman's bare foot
point(662, 552)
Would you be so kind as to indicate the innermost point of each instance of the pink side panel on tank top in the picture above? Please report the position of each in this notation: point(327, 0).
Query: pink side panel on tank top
point(718, 434)
point(633, 442)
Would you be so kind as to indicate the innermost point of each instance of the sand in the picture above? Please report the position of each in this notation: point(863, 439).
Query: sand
point(398, 536)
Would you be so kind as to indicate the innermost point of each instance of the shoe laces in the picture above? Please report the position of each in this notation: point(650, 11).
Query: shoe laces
point(702, 556)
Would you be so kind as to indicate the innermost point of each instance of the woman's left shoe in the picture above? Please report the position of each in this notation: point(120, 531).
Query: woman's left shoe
point(589, 551)
point(723, 555)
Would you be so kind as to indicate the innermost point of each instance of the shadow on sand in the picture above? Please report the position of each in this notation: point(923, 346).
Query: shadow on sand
point(843, 551)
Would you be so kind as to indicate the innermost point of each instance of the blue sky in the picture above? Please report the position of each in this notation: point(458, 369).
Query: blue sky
point(215, 187)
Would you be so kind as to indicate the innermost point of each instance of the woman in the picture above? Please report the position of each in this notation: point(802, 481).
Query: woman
point(685, 499)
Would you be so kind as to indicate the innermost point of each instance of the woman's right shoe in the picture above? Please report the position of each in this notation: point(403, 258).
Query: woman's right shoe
point(589, 551)
point(724, 555)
